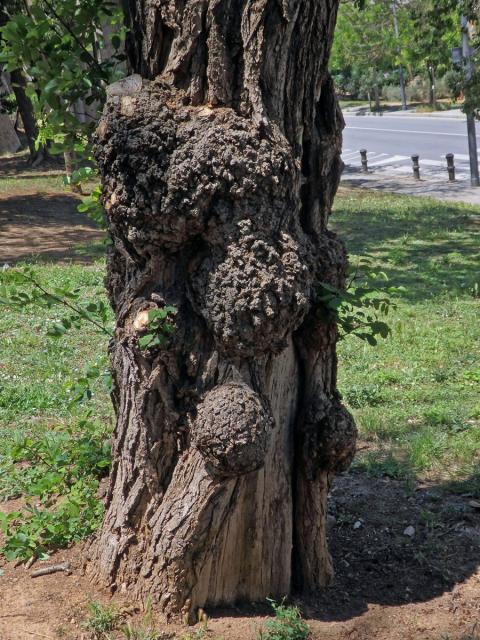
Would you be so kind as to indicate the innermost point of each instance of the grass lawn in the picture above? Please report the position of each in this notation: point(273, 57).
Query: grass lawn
point(415, 396)
point(17, 176)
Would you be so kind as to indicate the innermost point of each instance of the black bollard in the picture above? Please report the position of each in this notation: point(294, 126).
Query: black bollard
point(416, 167)
point(363, 156)
point(451, 166)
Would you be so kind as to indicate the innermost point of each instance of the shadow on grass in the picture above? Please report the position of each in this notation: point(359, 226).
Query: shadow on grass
point(425, 245)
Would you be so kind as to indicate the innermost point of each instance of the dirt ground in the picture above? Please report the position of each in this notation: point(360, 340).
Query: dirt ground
point(44, 225)
point(389, 585)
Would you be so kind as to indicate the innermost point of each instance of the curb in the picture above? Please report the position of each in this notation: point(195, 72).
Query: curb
point(452, 115)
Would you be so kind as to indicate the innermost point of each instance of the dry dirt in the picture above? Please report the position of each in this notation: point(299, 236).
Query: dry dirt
point(388, 586)
point(42, 225)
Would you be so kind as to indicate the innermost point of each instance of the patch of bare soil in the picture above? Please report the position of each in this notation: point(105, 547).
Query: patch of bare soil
point(407, 568)
point(43, 225)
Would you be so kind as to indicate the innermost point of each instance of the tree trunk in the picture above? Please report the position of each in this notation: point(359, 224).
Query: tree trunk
point(25, 107)
point(220, 158)
point(377, 97)
point(432, 92)
point(24, 104)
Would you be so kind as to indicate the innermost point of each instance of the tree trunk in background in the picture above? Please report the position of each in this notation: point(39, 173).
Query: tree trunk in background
point(377, 97)
point(220, 159)
point(24, 104)
point(25, 107)
point(432, 90)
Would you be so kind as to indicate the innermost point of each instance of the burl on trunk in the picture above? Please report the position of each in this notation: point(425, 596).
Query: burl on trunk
point(220, 159)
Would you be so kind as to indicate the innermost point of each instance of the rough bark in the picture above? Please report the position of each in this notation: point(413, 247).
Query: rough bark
point(220, 158)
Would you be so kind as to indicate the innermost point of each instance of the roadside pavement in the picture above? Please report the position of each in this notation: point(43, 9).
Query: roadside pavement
point(432, 183)
point(450, 114)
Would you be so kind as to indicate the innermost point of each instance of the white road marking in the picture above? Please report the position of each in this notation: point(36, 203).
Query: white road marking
point(349, 156)
point(371, 156)
point(390, 160)
point(428, 133)
point(432, 163)
point(416, 117)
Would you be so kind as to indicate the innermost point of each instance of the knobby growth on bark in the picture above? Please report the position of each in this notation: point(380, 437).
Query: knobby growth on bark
point(220, 159)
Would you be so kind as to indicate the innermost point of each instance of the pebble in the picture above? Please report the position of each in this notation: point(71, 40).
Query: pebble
point(357, 524)
point(331, 521)
point(409, 531)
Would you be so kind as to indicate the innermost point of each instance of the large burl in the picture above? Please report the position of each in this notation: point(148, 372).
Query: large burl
point(227, 434)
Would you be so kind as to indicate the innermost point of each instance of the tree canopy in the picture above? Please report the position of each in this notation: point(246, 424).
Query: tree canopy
point(367, 51)
point(68, 52)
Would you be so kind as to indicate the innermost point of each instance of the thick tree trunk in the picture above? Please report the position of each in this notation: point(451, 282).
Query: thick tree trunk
point(377, 97)
point(220, 159)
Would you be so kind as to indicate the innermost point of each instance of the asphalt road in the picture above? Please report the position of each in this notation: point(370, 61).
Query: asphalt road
point(391, 140)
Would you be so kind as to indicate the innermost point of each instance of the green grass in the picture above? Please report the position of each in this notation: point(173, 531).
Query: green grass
point(36, 371)
point(44, 184)
point(101, 620)
point(345, 104)
point(53, 452)
point(286, 625)
point(16, 176)
point(415, 396)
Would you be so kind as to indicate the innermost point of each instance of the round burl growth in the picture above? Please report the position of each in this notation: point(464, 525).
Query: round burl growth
point(170, 171)
point(256, 293)
point(232, 430)
point(329, 436)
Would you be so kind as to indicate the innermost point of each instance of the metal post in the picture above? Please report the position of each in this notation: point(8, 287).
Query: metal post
point(472, 138)
point(363, 156)
point(403, 93)
point(416, 167)
point(451, 166)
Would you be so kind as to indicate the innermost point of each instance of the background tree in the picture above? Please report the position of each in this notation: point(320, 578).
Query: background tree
point(56, 50)
point(220, 158)
point(367, 50)
point(365, 47)
point(18, 84)
point(435, 30)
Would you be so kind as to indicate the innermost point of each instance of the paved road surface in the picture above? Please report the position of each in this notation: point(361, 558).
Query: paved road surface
point(391, 140)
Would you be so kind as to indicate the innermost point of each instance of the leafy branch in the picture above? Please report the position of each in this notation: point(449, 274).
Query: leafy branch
point(159, 327)
point(96, 313)
point(358, 309)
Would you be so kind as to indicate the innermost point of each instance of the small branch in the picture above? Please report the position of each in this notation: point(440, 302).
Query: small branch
point(54, 568)
point(77, 310)
point(72, 33)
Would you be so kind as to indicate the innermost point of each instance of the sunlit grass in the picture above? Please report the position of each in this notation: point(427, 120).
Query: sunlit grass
point(415, 396)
